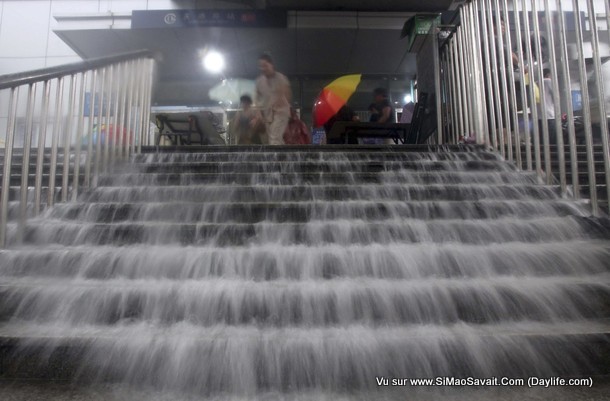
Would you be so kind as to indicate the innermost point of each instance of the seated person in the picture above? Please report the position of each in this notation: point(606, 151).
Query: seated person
point(246, 126)
point(381, 112)
point(407, 113)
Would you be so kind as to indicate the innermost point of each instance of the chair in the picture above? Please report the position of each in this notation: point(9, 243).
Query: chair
point(188, 129)
point(398, 132)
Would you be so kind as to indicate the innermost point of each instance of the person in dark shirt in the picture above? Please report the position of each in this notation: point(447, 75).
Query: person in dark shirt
point(381, 109)
point(381, 112)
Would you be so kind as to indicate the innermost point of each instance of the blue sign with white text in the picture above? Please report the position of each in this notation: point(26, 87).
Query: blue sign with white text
point(209, 18)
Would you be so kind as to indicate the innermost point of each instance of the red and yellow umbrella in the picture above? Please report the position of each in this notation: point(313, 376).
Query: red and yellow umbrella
point(334, 96)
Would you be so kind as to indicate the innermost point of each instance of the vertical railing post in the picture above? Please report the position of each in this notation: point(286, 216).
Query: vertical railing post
point(502, 66)
point(42, 137)
point(497, 124)
point(141, 96)
point(117, 123)
point(25, 166)
point(522, 86)
point(586, 110)
point(79, 135)
point(92, 104)
point(468, 73)
point(532, 93)
point(556, 102)
point(108, 102)
point(437, 83)
point(59, 90)
point(566, 84)
point(123, 134)
point(494, 32)
point(446, 96)
point(487, 66)
point(514, 135)
point(458, 74)
point(542, 121)
point(468, 51)
point(608, 20)
point(68, 140)
point(602, 87)
point(138, 102)
point(129, 106)
point(148, 99)
point(100, 127)
point(454, 92)
point(8, 160)
point(481, 117)
point(463, 73)
point(449, 100)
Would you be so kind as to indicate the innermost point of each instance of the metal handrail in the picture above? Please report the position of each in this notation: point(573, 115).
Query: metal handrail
point(115, 124)
point(45, 74)
point(512, 92)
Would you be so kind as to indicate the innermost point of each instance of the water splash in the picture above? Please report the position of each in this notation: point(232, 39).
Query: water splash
point(296, 272)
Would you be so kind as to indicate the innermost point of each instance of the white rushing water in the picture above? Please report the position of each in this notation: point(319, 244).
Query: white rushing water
point(309, 272)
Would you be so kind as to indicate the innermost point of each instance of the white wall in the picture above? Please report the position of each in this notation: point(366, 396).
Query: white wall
point(27, 40)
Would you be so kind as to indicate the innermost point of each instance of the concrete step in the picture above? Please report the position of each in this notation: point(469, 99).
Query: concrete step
point(310, 156)
point(304, 211)
point(314, 303)
point(321, 167)
point(583, 177)
point(400, 261)
point(292, 188)
point(28, 390)
point(270, 179)
point(15, 179)
point(15, 193)
point(313, 148)
point(219, 273)
point(337, 232)
point(109, 354)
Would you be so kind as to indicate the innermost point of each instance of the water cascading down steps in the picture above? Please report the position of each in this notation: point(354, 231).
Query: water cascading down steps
point(290, 270)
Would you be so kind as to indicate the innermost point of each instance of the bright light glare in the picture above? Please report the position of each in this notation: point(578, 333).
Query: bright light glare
point(408, 99)
point(214, 62)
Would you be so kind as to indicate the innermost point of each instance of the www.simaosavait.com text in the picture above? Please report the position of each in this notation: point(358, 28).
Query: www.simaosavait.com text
point(483, 382)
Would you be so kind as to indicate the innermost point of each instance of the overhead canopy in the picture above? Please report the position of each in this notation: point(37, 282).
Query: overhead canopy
point(316, 46)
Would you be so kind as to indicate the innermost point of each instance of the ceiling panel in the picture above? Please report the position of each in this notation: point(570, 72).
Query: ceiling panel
point(379, 52)
point(332, 5)
point(315, 54)
point(310, 52)
point(324, 51)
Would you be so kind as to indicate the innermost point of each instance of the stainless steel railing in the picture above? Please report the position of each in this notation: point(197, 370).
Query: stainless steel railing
point(83, 117)
point(493, 69)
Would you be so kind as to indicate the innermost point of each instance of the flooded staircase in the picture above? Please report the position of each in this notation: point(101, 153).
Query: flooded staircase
point(582, 168)
point(241, 272)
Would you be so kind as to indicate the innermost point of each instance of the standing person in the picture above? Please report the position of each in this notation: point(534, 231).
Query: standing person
point(273, 95)
point(381, 112)
point(247, 125)
point(549, 105)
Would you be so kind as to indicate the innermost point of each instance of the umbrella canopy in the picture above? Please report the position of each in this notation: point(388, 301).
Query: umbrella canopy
point(334, 96)
point(230, 90)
